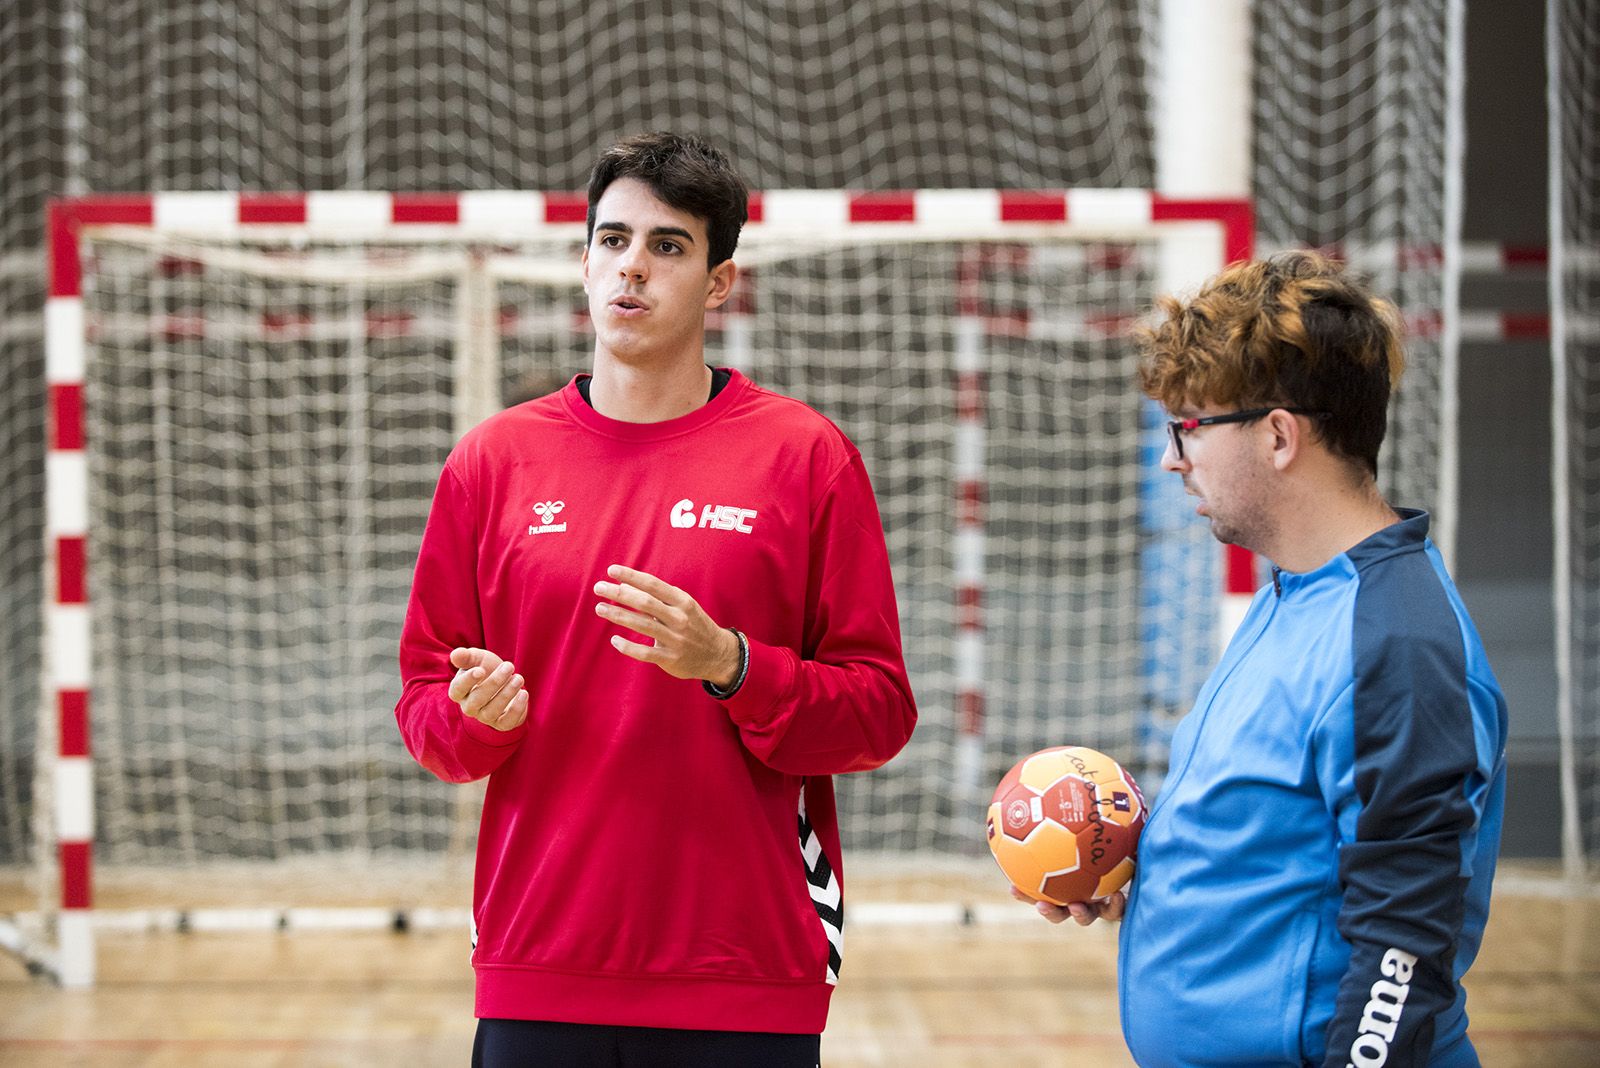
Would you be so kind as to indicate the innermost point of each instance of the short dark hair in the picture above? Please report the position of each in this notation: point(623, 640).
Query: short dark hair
point(686, 172)
point(1296, 330)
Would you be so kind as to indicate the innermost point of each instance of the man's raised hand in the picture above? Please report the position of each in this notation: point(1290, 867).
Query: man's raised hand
point(688, 643)
point(488, 688)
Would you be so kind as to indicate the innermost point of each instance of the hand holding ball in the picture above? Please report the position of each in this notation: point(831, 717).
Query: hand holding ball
point(1064, 825)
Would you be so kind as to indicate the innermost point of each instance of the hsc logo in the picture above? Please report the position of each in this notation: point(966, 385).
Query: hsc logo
point(715, 516)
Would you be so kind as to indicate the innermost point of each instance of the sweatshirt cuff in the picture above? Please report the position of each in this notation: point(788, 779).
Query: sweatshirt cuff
point(769, 680)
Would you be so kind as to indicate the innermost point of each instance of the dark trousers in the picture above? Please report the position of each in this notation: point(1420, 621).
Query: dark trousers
point(537, 1044)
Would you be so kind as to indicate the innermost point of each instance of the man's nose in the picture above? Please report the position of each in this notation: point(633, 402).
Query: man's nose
point(632, 265)
point(1171, 461)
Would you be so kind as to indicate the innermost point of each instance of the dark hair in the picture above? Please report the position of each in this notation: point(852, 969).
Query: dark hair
point(1294, 331)
point(685, 172)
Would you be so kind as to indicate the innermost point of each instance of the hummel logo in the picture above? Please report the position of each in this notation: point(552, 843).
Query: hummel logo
point(547, 512)
point(715, 516)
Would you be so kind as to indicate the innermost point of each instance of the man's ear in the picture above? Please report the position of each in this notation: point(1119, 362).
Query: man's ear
point(1288, 437)
point(719, 287)
point(583, 268)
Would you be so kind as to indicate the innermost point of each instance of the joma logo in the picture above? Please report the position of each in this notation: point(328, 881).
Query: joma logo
point(1380, 1019)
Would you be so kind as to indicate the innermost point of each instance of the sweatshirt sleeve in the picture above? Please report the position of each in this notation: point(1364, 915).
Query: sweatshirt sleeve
point(1406, 820)
point(444, 613)
point(842, 703)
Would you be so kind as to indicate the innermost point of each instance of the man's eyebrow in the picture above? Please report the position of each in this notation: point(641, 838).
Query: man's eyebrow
point(659, 231)
point(672, 231)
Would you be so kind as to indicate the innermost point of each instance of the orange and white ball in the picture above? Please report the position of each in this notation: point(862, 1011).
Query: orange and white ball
point(1064, 825)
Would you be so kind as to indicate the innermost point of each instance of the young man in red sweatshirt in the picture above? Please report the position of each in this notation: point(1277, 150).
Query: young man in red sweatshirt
point(655, 609)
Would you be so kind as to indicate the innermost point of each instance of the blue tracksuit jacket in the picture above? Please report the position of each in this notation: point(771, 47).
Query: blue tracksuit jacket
point(1314, 877)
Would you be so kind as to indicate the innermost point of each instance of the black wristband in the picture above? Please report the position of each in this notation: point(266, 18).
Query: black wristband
point(738, 680)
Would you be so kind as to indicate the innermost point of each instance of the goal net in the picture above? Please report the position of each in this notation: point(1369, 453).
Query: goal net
point(1573, 44)
point(492, 94)
point(1351, 128)
point(265, 409)
point(1356, 147)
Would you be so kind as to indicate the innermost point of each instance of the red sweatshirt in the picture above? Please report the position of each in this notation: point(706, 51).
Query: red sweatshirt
point(650, 856)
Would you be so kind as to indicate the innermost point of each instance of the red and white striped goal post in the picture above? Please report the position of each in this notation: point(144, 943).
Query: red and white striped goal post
point(809, 215)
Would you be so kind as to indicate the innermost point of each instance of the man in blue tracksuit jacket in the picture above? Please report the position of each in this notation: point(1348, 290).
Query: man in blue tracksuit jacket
point(1314, 877)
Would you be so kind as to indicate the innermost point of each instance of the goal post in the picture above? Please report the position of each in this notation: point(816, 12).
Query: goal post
point(251, 394)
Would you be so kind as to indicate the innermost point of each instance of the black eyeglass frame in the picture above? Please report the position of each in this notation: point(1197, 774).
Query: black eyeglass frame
point(1175, 427)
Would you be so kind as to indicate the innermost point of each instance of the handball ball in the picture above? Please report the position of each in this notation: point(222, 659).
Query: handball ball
point(1064, 825)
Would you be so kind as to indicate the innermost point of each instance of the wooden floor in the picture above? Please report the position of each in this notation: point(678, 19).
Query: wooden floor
point(936, 996)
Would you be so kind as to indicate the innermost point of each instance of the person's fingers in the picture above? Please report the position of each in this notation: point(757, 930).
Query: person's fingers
point(473, 666)
point(1053, 913)
point(1082, 913)
point(509, 707)
point(637, 622)
point(516, 712)
point(463, 683)
point(643, 580)
point(484, 692)
point(637, 599)
point(467, 657)
point(647, 653)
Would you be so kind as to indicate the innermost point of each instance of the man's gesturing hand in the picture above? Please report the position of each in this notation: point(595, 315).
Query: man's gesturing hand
point(488, 688)
point(688, 643)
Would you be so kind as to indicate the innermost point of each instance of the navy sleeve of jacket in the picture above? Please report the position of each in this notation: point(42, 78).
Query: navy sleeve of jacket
point(1402, 876)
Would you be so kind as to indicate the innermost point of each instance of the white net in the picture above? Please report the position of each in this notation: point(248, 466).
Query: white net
point(265, 426)
point(496, 94)
point(1574, 60)
point(491, 94)
point(503, 94)
point(264, 447)
point(1353, 151)
point(29, 171)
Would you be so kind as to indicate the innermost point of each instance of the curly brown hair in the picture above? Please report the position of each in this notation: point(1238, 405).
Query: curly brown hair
point(1296, 330)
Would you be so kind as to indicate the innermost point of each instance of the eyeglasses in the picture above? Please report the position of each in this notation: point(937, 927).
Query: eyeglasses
point(1176, 427)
